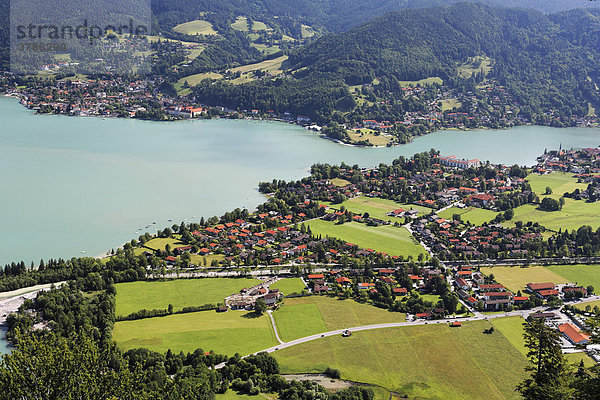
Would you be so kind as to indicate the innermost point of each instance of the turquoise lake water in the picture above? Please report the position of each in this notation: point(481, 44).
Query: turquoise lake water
point(89, 184)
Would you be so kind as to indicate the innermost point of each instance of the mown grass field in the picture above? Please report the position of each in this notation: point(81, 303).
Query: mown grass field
point(377, 207)
point(134, 296)
point(450, 104)
point(273, 66)
point(339, 182)
point(233, 395)
point(226, 333)
point(574, 214)
point(583, 275)
point(241, 24)
point(305, 316)
point(515, 278)
point(161, 243)
point(369, 135)
point(592, 304)
point(289, 285)
point(430, 361)
point(512, 328)
point(388, 239)
point(197, 27)
point(474, 215)
point(423, 82)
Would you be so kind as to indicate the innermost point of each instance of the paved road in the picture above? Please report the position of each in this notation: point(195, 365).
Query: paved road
point(270, 312)
point(338, 332)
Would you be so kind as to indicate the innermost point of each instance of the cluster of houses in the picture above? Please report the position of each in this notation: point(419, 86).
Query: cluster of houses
point(247, 297)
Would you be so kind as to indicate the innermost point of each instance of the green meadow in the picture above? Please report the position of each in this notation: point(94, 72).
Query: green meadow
point(395, 241)
point(305, 316)
point(377, 207)
point(581, 274)
point(289, 285)
point(474, 215)
point(429, 361)
point(135, 296)
point(225, 333)
point(516, 278)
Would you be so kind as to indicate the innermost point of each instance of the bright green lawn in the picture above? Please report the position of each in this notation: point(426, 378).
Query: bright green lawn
point(305, 316)
point(583, 275)
point(226, 333)
point(516, 278)
point(512, 329)
point(388, 239)
point(574, 213)
point(429, 361)
point(377, 207)
point(134, 296)
point(289, 285)
point(559, 182)
point(592, 304)
point(475, 215)
point(161, 243)
point(339, 182)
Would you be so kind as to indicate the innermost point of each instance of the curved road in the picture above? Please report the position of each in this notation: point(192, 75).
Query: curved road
point(337, 332)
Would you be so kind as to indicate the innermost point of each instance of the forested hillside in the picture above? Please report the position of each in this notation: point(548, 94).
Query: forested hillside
point(546, 62)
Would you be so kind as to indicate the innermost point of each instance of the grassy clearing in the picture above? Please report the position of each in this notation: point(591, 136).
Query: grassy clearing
point(226, 333)
point(241, 24)
point(197, 27)
point(432, 361)
point(289, 285)
point(422, 82)
point(195, 79)
point(475, 215)
point(339, 182)
point(273, 66)
point(377, 207)
point(370, 135)
point(305, 316)
point(134, 296)
point(581, 274)
point(307, 31)
point(232, 395)
point(515, 278)
point(559, 182)
point(266, 49)
point(475, 65)
point(388, 239)
point(161, 243)
point(449, 104)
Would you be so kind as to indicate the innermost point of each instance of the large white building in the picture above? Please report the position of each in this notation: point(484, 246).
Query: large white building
point(452, 161)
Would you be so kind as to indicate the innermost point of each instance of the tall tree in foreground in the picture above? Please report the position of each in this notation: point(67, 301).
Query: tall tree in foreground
point(550, 376)
point(53, 367)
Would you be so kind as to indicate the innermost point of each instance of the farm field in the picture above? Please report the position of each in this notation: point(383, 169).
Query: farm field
point(388, 239)
point(197, 259)
point(515, 278)
point(289, 285)
point(474, 215)
point(377, 207)
point(304, 316)
point(559, 182)
point(583, 275)
point(135, 296)
point(197, 27)
point(226, 333)
point(193, 80)
point(433, 361)
point(450, 104)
